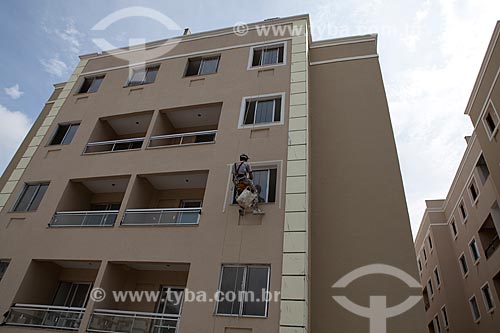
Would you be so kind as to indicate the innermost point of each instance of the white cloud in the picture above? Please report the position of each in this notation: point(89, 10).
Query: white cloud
point(13, 128)
point(14, 92)
point(54, 66)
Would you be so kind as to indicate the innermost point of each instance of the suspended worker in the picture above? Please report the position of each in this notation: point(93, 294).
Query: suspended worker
point(243, 180)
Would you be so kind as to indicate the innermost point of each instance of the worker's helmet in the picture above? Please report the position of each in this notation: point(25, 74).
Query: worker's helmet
point(243, 157)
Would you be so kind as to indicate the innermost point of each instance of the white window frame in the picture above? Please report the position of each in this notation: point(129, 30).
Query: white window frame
point(132, 71)
point(486, 284)
point(203, 58)
point(476, 320)
point(473, 182)
point(241, 121)
point(429, 241)
point(430, 288)
point(23, 191)
point(464, 274)
point(263, 46)
point(268, 286)
point(462, 202)
point(54, 132)
point(437, 277)
point(491, 134)
point(475, 261)
point(453, 234)
point(446, 319)
point(436, 323)
point(90, 78)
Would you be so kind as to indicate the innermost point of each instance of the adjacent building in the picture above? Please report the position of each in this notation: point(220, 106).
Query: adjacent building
point(124, 184)
point(457, 244)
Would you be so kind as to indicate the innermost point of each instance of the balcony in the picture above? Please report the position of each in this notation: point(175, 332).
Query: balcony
point(162, 316)
point(90, 202)
point(53, 295)
point(119, 133)
point(131, 322)
point(488, 236)
point(166, 199)
point(45, 316)
point(186, 126)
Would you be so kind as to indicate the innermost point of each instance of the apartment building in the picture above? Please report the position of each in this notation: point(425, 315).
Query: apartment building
point(124, 184)
point(457, 244)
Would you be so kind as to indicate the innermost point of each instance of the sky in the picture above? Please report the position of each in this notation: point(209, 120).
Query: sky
point(430, 54)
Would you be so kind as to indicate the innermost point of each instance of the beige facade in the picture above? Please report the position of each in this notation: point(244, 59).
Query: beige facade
point(124, 184)
point(457, 243)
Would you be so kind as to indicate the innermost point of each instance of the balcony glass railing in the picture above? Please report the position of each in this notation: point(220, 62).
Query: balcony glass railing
point(45, 316)
point(113, 146)
point(111, 321)
point(162, 216)
point(492, 247)
point(101, 218)
point(183, 139)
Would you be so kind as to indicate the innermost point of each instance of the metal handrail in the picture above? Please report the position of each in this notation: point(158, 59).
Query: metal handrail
point(161, 211)
point(48, 307)
point(182, 136)
point(103, 143)
point(137, 314)
point(196, 209)
point(84, 214)
point(168, 136)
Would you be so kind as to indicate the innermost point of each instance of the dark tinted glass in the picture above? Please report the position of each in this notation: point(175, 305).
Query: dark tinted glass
point(151, 74)
point(70, 134)
point(58, 137)
point(232, 280)
point(256, 284)
point(193, 66)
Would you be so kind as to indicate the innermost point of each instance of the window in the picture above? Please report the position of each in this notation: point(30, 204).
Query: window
point(425, 254)
point(476, 315)
point(419, 265)
point(430, 287)
point(257, 111)
point(3, 268)
point(491, 120)
point(202, 65)
point(463, 265)
point(429, 240)
point(437, 326)
point(474, 192)
point(143, 76)
point(30, 197)
point(488, 235)
point(64, 134)
point(463, 211)
point(268, 55)
point(474, 251)
point(91, 84)
point(453, 227)
point(265, 183)
point(482, 169)
point(437, 277)
point(250, 281)
point(444, 314)
point(487, 297)
point(169, 303)
point(70, 294)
